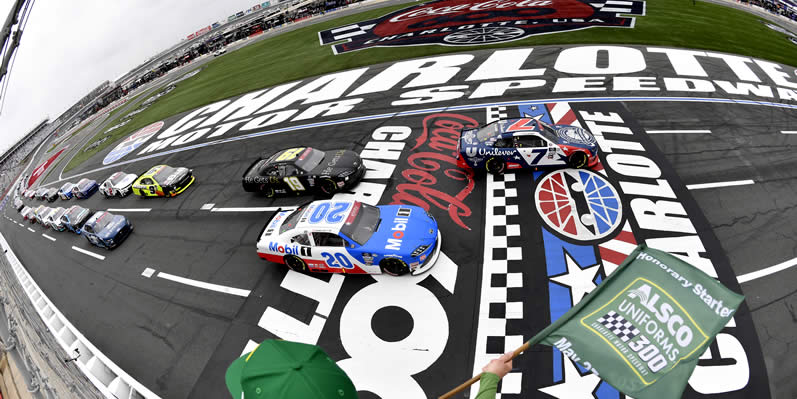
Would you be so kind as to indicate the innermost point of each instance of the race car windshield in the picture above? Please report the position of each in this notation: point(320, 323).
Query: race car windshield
point(115, 179)
point(547, 131)
point(362, 222)
point(74, 213)
point(488, 131)
point(164, 173)
point(66, 187)
point(292, 219)
point(309, 159)
point(102, 222)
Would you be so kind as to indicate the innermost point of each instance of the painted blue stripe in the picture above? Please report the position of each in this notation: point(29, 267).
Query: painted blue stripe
point(428, 111)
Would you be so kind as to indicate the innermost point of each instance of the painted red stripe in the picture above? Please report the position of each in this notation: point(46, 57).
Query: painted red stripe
point(611, 255)
point(626, 236)
point(568, 118)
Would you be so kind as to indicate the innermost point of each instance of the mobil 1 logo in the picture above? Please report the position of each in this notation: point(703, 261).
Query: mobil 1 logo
point(663, 215)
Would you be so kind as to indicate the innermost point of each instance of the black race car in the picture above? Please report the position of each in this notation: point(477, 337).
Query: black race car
point(302, 169)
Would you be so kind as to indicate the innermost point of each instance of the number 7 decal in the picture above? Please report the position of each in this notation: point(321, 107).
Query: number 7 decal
point(540, 153)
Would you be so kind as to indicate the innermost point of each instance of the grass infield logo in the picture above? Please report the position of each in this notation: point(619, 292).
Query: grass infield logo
point(458, 23)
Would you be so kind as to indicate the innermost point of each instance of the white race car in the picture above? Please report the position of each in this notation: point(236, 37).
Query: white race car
point(118, 185)
point(335, 236)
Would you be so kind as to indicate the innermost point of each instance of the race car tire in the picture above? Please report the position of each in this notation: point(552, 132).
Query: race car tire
point(295, 263)
point(394, 266)
point(328, 187)
point(577, 160)
point(267, 190)
point(496, 166)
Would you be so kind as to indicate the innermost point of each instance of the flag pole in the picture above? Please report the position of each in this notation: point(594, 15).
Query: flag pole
point(475, 378)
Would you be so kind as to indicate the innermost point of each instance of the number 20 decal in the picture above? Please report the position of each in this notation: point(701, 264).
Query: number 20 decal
point(336, 261)
point(332, 214)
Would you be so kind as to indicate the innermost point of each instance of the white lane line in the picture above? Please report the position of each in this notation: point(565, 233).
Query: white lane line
point(207, 207)
point(719, 184)
point(678, 131)
point(254, 209)
point(89, 253)
point(789, 131)
point(202, 284)
point(48, 237)
point(766, 272)
point(148, 272)
point(31, 230)
point(129, 209)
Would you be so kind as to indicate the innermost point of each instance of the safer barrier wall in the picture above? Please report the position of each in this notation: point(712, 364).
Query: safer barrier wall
point(109, 378)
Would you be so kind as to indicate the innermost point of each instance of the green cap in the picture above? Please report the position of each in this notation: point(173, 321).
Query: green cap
point(285, 369)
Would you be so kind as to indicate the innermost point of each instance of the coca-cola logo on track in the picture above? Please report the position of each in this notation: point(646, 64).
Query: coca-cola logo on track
point(458, 23)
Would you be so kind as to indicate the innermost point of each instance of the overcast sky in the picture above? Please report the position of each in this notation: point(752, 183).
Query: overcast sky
point(70, 47)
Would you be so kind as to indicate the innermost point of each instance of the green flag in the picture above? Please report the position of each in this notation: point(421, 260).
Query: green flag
point(643, 329)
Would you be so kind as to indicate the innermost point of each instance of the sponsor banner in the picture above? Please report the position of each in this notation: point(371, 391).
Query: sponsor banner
point(215, 25)
point(39, 171)
point(132, 142)
point(457, 23)
point(483, 78)
point(256, 7)
point(202, 31)
point(191, 36)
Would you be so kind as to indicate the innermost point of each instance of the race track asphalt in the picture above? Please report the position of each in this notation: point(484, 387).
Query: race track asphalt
point(178, 339)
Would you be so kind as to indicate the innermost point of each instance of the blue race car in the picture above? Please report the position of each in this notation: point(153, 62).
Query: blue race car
point(106, 230)
point(65, 192)
point(336, 236)
point(85, 188)
point(73, 219)
point(526, 144)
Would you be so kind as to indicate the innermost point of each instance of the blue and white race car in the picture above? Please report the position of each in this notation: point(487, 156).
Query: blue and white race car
point(336, 236)
point(526, 143)
point(106, 230)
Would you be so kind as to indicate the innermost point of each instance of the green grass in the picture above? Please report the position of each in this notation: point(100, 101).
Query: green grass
point(297, 54)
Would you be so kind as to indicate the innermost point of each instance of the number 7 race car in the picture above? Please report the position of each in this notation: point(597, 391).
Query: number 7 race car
point(351, 237)
point(303, 169)
point(526, 144)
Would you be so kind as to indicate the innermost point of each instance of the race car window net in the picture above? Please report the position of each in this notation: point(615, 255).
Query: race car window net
point(487, 131)
point(363, 226)
point(310, 159)
point(292, 219)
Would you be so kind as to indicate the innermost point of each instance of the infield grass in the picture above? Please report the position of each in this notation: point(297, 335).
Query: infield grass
point(296, 55)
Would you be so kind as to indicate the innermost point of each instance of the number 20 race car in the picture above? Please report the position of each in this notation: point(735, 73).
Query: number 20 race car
point(526, 144)
point(351, 237)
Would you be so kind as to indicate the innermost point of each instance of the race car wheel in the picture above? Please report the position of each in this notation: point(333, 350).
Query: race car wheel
point(394, 266)
point(495, 166)
point(577, 160)
point(295, 263)
point(328, 187)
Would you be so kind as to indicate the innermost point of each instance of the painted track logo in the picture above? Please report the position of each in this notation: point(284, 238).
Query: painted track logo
point(132, 142)
point(578, 204)
point(458, 23)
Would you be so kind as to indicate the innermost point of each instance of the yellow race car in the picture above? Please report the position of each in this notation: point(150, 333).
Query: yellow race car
point(163, 181)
